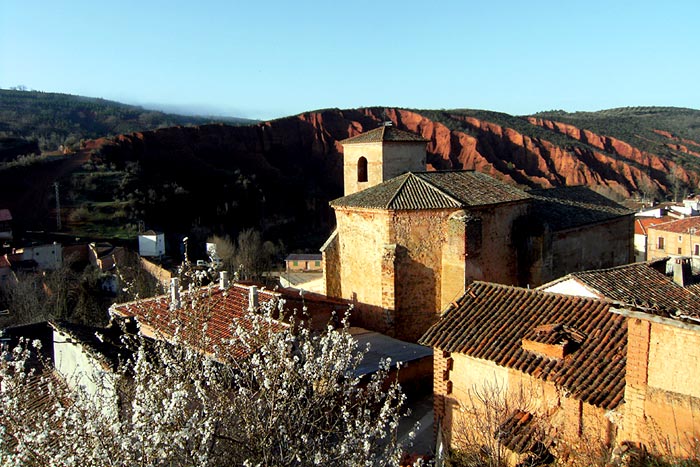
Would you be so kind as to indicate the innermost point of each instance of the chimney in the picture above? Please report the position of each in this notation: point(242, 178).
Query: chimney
point(223, 280)
point(681, 271)
point(174, 293)
point(252, 298)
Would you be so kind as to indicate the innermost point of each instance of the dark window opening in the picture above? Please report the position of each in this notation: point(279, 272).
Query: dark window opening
point(362, 169)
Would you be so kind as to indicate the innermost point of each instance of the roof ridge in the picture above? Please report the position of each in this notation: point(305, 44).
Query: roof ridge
point(398, 190)
point(438, 189)
point(539, 291)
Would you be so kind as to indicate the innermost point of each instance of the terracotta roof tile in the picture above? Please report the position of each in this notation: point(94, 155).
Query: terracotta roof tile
point(680, 225)
point(434, 190)
point(220, 310)
point(641, 224)
point(639, 285)
point(385, 133)
point(490, 320)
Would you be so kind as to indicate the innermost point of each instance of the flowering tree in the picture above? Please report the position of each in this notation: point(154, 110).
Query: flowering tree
point(272, 395)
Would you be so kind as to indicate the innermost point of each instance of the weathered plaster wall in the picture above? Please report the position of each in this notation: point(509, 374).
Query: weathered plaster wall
point(80, 369)
point(462, 381)
point(495, 260)
point(662, 396)
point(674, 244)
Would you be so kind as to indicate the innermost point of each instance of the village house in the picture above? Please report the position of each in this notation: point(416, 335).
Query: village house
point(641, 234)
point(679, 237)
point(547, 359)
point(309, 262)
point(152, 244)
point(47, 256)
point(218, 309)
point(87, 358)
point(405, 247)
point(662, 404)
point(608, 356)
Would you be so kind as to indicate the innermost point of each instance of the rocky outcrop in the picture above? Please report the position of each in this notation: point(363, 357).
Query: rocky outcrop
point(285, 171)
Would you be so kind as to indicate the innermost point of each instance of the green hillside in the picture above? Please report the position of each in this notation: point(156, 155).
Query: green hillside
point(636, 125)
point(53, 119)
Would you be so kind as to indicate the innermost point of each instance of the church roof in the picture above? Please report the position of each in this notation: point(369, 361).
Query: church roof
point(567, 207)
point(434, 190)
point(385, 134)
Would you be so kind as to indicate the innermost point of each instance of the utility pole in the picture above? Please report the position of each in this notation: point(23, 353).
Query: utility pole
point(58, 208)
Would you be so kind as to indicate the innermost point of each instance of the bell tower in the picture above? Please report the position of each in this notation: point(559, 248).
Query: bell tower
point(377, 155)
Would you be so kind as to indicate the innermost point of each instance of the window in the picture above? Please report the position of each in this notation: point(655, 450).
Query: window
point(661, 243)
point(696, 250)
point(318, 263)
point(362, 169)
point(679, 250)
point(680, 238)
point(295, 263)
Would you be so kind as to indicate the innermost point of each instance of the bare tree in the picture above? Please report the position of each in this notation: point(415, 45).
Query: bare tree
point(250, 256)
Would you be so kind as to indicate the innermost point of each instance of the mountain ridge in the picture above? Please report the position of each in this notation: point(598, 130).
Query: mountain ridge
point(279, 175)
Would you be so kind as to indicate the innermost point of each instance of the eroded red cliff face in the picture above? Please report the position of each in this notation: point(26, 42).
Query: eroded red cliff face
point(308, 145)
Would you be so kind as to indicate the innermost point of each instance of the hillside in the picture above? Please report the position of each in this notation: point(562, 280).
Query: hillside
point(278, 176)
point(50, 120)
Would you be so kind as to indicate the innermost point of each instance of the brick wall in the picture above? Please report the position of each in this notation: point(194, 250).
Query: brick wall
point(662, 395)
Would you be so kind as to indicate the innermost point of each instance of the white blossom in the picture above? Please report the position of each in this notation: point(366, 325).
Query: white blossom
point(293, 398)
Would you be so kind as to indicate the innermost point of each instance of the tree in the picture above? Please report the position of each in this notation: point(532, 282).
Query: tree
point(250, 256)
point(275, 395)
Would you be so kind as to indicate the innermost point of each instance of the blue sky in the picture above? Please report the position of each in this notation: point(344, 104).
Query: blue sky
point(271, 59)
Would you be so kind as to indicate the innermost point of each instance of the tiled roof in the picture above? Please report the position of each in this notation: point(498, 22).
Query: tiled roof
point(304, 257)
point(680, 225)
point(641, 285)
point(5, 215)
point(434, 190)
point(385, 134)
point(568, 207)
point(220, 310)
point(208, 306)
point(490, 321)
point(641, 224)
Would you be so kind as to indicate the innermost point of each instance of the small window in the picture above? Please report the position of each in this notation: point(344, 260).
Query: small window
point(318, 263)
point(295, 263)
point(661, 243)
point(680, 238)
point(362, 169)
point(696, 250)
point(679, 250)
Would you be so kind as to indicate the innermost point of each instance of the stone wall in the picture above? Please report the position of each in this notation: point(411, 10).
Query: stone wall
point(595, 246)
point(420, 238)
point(384, 161)
point(362, 235)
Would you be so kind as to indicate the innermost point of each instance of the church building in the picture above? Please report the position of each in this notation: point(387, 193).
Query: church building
point(407, 242)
